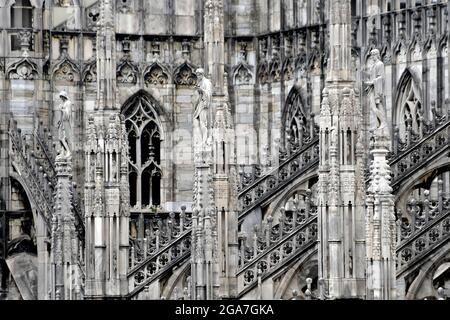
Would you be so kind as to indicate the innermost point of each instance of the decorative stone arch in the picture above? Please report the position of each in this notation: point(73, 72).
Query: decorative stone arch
point(42, 233)
point(24, 69)
point(400, 52)
point(176, 280)
point(408, 102)
point(242, 74)
point(426, 271)
point(297, 120)
point(413, 180)
point(126, 72)
point(90, 71)
point(308, 258)
point(150, 123)
point(290, 190)
point(184, 75)
point(66, 70)
point(263, 73)
point(16, 176)
point(156, 75)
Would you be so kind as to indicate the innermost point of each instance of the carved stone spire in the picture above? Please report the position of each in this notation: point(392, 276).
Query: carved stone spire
point(213, 207)
point(106, 57)
point(380, 226)
point(214, 43)
point(341, 197)
point(65, 244)
point(106, 185)
point(340, 41)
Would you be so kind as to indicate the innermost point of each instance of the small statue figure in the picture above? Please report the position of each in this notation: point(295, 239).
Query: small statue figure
point(375, 90)
point(334, 137)
point(63, 124)
point(204, 88)
point(114, 170)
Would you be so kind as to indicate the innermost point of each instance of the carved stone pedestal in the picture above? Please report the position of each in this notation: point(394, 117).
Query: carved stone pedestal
point(380, 226)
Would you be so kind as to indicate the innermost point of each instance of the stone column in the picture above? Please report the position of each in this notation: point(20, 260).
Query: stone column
point(64, 237)
point(341, 181)
point(380, 226)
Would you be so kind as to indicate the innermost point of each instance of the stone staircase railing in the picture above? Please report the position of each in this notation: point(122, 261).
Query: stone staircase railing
point(33, 156)
point(255, 191)
point(424, 229)
point(274, 246)
point(45, 152)
point(38, 180)
point(418, 151)
point(166, 244)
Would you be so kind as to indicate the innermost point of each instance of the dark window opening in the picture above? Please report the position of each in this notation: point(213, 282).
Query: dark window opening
point(144, 140)
point(22, 14)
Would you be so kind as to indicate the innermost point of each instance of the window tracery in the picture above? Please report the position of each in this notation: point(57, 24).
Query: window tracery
point(297, 121)
point(411, 115)
point(144, 138)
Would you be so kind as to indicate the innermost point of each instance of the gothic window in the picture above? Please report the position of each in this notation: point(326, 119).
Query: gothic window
point(297, 124)
point(21, 14)
point(144, 138)
point(410, 107)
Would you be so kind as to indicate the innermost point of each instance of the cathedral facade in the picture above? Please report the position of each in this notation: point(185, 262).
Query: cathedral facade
point(217, 149)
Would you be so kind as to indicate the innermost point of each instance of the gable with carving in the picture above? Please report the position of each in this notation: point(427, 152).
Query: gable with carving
point(184, 75)
point(24, 69)
point(156, 74)
point(66, 70)
point(127, 72)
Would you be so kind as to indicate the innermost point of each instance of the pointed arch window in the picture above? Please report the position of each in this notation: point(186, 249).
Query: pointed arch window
point(411, 110)
point(144, 138)
point(298, 121)
point(22, 14)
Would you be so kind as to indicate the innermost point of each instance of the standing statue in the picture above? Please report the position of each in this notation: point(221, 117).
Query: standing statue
point(204, 88)
point(63, 124)
point(375, 90)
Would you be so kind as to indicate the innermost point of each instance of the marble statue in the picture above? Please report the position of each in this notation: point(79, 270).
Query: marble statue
point(375, 90)
point(63, 124)
point(204, 88)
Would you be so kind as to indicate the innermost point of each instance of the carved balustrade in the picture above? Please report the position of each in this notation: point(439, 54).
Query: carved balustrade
point(37, 179)
point(274, 245)
point(45, 151)
point(408, 157)
point(296, 165)
point(33, 157)
point(167, 242)
point(424, 227)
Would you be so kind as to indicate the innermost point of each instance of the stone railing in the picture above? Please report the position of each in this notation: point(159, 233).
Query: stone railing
point(36, 178)
point(167, 242)
point(418, 151)
point(33, 157)
point(44, 150)
point(273, 246)
point(260, 189)
point(425, 227)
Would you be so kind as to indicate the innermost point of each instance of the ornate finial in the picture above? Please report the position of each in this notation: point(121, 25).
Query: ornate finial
point(25, 42)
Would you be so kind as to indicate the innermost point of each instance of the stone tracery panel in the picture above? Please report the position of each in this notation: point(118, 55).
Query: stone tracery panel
point(144, 138)
point(410, 109)
point(298, 122)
